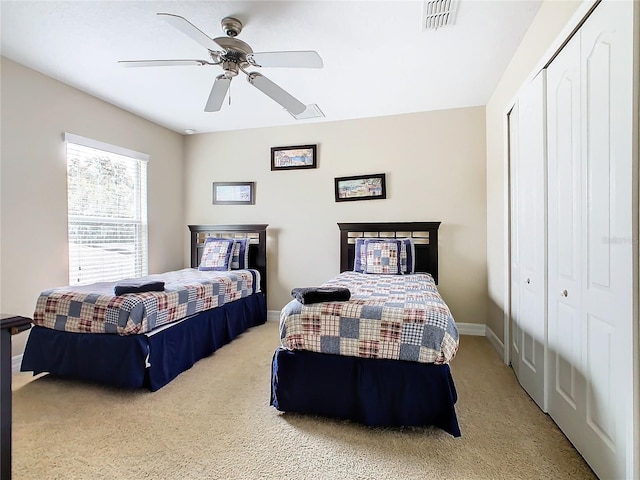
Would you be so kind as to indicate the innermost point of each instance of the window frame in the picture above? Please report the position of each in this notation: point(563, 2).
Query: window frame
point(141, 244)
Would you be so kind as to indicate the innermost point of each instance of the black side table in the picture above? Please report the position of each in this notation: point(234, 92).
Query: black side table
point(9, 325)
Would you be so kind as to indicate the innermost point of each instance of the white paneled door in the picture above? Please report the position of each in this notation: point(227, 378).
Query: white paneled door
point(567, 380)
point(590, 240)
point(528, 238)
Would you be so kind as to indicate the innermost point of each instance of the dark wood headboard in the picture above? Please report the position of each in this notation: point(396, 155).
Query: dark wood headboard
point(423, 234)
point(257, 235)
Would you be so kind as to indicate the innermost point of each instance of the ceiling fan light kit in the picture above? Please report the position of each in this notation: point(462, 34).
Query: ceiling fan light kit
point(236, 56)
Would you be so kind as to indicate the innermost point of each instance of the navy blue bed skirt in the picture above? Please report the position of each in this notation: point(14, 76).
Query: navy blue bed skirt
point(148, 360)
point(374, 392)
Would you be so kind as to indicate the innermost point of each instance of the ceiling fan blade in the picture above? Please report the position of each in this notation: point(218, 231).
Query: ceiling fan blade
point(272, 90)
point(294, 59)
point(218, 92)
point(162, 63)
point(189, 29)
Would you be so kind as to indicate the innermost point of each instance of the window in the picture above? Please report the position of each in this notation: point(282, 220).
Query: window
point(107, 199)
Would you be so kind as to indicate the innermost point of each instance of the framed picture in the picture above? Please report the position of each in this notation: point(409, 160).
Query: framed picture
point(293, 158)
point(233, 193)
point(360, 187)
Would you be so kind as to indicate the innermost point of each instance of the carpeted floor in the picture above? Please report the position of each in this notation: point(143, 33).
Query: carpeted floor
point(214, 422)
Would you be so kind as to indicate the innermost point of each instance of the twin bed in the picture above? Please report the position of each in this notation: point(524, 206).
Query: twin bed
point(382, 357)
point(147, 339)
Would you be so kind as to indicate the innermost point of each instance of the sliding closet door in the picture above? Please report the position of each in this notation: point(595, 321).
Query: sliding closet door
point(528, 237)
point(590, 240)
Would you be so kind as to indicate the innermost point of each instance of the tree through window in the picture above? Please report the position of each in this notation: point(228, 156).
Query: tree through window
point(107, 208)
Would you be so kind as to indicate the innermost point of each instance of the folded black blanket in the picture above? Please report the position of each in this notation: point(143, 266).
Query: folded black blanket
point(321, 294)
point(138, 287)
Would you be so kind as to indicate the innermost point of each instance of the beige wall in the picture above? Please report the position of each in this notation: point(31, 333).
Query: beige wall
point(435, 166)
point(548, 24)
point(36, 110)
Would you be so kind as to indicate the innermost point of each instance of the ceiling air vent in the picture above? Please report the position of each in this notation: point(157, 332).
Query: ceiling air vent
point(438, 13)
point(312, 111)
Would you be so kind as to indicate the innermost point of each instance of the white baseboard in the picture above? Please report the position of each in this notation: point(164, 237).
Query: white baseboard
point(273, 315)
point(495, 342)
point(16, 361)
point(476, 329)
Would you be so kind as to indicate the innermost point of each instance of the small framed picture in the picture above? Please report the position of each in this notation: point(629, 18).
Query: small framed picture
point(293, 158)
point(360, 187)
point(233, 193)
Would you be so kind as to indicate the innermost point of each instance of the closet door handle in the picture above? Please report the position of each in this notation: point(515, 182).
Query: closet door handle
point(564, 293)
point(528, 280)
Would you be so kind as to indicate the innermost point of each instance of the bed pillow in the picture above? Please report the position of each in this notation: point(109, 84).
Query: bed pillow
point(240, 254)
point(407, 256)
point(383, 256)
point(360, 256)
point(216, 254)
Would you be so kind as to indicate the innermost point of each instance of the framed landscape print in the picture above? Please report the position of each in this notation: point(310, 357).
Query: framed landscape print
point(360, 187)
point(233, 193)
point(293, 158)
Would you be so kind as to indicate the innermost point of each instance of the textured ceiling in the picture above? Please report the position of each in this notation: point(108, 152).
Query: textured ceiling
point(377, 58)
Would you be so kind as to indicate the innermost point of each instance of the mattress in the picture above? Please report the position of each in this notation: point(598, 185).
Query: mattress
point(398, 317)
point(95, 309)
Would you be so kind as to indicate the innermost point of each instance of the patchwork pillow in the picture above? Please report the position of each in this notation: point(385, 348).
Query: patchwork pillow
point(383, 256)
point(407, 254)
point(216, 254)
point(240, 254)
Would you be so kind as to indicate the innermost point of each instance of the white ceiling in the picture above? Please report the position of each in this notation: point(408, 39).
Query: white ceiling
point(377, 58)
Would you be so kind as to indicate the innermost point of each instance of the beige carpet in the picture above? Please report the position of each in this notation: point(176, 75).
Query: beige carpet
point(214, 421)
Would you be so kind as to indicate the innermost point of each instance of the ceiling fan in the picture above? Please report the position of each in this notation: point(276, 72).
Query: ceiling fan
point(235, 56)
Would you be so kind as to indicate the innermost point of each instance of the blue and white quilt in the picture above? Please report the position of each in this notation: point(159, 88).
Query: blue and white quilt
point(400, 317)
point(95, 309)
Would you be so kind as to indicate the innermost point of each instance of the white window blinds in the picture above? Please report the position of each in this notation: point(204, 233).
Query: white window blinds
point(107, 198)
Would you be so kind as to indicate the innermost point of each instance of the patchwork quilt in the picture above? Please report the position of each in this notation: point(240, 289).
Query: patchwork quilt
point(400, 317)
point(95, 309)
